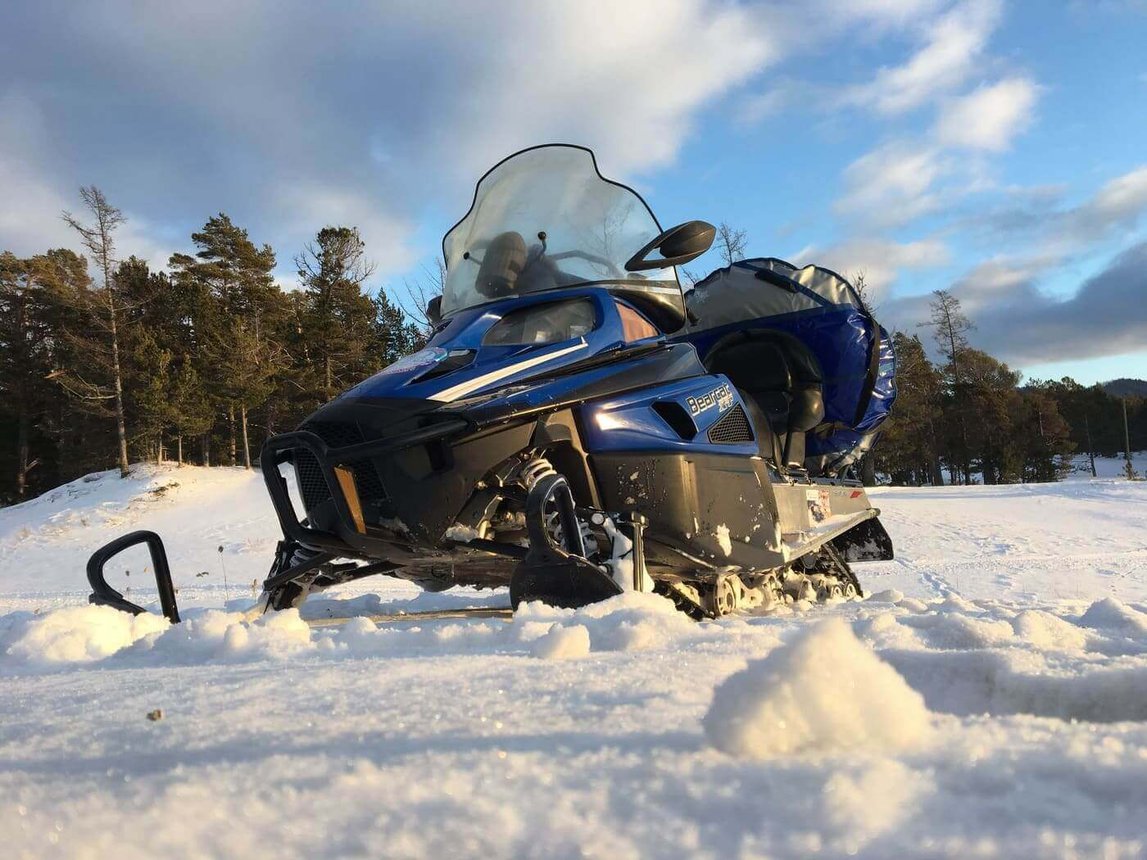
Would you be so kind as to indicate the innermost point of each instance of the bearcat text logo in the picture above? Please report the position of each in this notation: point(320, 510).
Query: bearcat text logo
point(721, 397)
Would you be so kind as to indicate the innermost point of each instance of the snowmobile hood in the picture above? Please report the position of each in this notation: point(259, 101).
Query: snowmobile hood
point(504, 345)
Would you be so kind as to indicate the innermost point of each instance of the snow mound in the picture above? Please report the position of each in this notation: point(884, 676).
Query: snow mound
point(890, 595)
point(562, 643)
point(825, 692)
point(230, 636)
point(971, 683)
point(80, 634)
point(1112, 614)
point(949, 628)
point(1049, 632)
point(632, 621)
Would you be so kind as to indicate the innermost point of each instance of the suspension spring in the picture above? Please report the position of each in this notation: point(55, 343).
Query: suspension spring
point(535, 470)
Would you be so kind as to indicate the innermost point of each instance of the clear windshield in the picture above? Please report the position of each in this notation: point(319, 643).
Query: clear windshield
point(542, 220)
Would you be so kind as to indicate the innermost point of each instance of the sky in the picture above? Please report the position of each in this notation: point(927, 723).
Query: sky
point(997, 149)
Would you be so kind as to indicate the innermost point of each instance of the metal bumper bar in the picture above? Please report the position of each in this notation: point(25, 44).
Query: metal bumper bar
point(332, 463)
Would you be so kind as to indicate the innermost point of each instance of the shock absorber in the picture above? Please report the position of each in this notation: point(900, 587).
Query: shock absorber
point(535, 470)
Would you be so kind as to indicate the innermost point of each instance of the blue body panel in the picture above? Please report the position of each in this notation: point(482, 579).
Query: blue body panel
point(629, 422)
point(857, 400)
point(518, 379)
point(837, 337)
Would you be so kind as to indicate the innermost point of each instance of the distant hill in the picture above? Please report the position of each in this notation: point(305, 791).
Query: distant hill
point(1124, 387)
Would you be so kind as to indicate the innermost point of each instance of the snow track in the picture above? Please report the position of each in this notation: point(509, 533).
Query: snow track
point(1017, 615)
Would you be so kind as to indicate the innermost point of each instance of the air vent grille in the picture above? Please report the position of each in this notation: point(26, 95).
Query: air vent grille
point(732, 427)
point(313, 488)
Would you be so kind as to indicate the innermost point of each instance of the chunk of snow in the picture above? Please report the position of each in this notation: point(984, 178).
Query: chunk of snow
point(724, 540)
point(1047, 631)
point(968, 683)
point(890, 595)
point(461, 533)
point(1112, 614)
point(632, 621)
point(562, 643)
point(81, 634)
point(953, 629)
point(825, 692)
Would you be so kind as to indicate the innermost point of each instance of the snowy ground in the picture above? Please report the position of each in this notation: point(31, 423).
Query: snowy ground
point(988, 700)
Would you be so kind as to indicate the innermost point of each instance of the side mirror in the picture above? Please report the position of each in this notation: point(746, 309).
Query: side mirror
point(677, 245)
point(434, 310)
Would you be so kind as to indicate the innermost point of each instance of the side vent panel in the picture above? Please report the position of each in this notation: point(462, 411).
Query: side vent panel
point(675, 416)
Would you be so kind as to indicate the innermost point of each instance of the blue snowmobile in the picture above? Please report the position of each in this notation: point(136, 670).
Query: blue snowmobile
point(576, 426)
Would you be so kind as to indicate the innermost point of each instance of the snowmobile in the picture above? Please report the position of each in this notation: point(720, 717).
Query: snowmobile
point(575, 427)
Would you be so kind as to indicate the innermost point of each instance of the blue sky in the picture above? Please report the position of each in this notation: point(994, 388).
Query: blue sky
point(995, 148)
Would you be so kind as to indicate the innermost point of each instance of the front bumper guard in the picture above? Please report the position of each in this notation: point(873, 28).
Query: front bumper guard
point(334, 464)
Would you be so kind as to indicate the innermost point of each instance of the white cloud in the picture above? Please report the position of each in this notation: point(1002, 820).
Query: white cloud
point(989, 117)
point(892, 184)
point(1057, 231)
point(277, 113)
point(880, 260)
point(883, 11)
point(1025, 325)
point(30, 221)
point(314, 206)
point(1119, 203)
point(1045, 234)
point(902, 180)
point(951, 51)
point(629, 89)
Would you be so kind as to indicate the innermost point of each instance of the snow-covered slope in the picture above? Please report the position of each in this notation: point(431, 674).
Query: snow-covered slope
point(988, 699)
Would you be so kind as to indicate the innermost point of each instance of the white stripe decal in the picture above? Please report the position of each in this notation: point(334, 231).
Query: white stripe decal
point(463, 388)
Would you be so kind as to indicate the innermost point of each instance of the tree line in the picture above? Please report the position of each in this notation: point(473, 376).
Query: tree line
point(103, 360)
point(968, 418)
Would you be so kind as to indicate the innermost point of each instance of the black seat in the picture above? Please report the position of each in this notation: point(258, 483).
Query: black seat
point(780, 379)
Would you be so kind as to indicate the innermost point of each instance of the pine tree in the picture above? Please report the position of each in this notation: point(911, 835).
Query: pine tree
point(1042, 436)
point(242, 315)
point(908, 448)
point(26, 359)
point(986, 417)
point(951, 328)
point(395, 336)
point(190, 415)
point(337, 318)
point(99, 238)
point(151, 392)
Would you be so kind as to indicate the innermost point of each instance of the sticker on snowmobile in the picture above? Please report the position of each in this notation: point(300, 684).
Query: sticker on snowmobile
point(819, 505)
point(721, 397)
point(423, 358)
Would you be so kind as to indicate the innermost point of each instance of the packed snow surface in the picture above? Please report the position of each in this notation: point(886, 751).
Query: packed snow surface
point(988, 699)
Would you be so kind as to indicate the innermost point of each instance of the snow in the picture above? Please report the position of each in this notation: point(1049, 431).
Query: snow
point(1108, 467)
point(562, 643)
point(78, 635)
point(723, 539)
point(989, 699)
point(825, 692)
